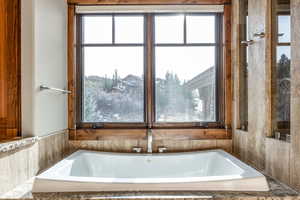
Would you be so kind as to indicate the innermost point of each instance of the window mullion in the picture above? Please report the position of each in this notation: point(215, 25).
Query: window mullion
point(149, 96)
point(184, 29)
point(113, 29)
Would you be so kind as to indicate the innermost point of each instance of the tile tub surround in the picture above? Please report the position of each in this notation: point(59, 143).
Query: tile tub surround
point(53, 148)
point(22, 159)
point(277, 191)
point(126, 146)
point(18, 163)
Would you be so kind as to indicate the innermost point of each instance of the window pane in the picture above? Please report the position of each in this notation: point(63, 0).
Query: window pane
point(129, 29)
point(283, 83)
point(113, 84)
point(169, 29)
point(200, 29)
point(97, 29)
point(284, 28)
point(185, 84)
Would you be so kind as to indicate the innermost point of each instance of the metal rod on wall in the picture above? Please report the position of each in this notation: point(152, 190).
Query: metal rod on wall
point(44, 87)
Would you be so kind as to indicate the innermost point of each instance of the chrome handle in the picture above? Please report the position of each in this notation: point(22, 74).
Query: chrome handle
point(288, 138)
point(247, 42)
point(44, 87)
point(162, 149)
point(277, 135)
point(259, 35)
point(149, 140)
point(137, 149)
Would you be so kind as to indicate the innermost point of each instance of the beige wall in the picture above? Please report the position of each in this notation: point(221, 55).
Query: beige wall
point(44, 55)
point(27, 70)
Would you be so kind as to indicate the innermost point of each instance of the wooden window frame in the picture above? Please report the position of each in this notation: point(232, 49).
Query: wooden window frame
point(149, 67)
point(191, 130)
point(242, 121)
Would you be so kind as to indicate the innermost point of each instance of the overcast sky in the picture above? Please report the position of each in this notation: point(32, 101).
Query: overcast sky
point(186, 62)
point(284, 27)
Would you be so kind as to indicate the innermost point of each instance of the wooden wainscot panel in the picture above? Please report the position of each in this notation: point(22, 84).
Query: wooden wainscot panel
point(147, 2)
point(10, 69)
point(191, 134)
point(8, 134)
point(108, 134)
point(278, 159)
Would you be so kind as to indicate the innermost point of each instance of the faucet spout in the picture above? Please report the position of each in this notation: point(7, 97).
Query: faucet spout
point(149, 140)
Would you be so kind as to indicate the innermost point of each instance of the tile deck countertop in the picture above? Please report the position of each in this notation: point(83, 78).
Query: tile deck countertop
point(277, 191)
point(17, 143)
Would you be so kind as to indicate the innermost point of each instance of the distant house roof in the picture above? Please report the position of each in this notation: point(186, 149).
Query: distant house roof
point(204, 79)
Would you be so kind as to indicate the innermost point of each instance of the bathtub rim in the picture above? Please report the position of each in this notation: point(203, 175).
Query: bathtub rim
point(250, 172)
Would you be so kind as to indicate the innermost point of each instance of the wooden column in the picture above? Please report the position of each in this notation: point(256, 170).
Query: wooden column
point(295, 94)
point(239, 137)
point(259, 96)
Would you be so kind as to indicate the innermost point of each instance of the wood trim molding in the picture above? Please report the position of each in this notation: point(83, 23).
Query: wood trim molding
point(148, 2)
point(8, 134)
point(227, 66)
point(71, 67)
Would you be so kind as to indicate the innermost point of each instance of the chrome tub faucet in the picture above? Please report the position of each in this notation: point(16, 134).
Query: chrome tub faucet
point(162, 149)
point(149, 140)
point(149, 143)
point(137, 149)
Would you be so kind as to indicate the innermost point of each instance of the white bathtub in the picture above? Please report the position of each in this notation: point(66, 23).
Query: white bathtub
point(91, 171)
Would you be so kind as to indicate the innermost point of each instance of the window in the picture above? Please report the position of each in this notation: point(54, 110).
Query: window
point(122, 66)
point(283, 62)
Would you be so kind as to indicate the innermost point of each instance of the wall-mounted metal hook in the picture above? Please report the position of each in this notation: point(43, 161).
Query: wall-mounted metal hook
point(247, 42)
point(259, 35)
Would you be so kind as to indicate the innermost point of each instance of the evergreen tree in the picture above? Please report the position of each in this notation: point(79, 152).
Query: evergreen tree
point(115, 79)
point(283, 87)
point(106, 87)
point(283, 67)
